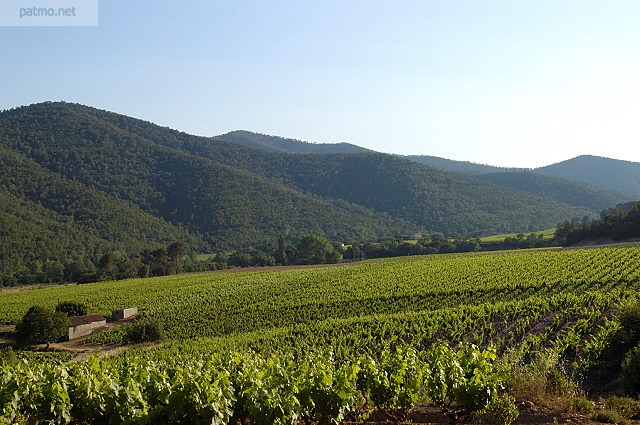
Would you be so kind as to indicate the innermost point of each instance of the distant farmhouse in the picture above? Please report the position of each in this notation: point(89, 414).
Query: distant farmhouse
point(85, 325)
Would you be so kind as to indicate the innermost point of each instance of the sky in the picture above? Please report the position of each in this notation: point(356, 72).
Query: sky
point(508, 83)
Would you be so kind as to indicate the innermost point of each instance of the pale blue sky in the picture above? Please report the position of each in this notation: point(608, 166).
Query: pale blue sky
point(511, 83)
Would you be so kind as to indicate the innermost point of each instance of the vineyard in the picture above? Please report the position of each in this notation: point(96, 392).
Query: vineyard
point(328, 344)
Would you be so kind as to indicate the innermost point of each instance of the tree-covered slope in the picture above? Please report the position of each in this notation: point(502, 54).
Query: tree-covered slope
point(227, 207)
point(612, 174)
point(33, 237)
point(282, 144)
point(569, 191)
point(616, 223)
point(465, 168)
point(437, 200)
point(94, 212)
point(430, 198)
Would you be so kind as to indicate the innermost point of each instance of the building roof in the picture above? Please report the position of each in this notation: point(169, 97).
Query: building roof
point(89, 318)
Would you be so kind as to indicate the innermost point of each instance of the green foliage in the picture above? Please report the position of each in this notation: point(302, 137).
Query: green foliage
point(111, 336)
point(581, 405)
point(145, 329)
point(630, 375)
point(629, 334)
point(569, 191)
point(220, 389)
point(316, 250)
point(392, 381)
point(626, 406)
point(468, 377)
point(8, 357)
point(502, 409)
point(610, 417)
point(72, 308)
point(40, 325)
point(623, 222)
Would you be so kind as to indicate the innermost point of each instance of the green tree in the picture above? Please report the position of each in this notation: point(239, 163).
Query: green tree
point(42, 326)
point(107, 265)
point(131, 268)
point(176, 251)
point(313, 249)
point(281, 254)
point(71, 308)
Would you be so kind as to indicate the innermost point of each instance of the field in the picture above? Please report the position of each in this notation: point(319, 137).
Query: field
point(371, 335)
point(547, 234)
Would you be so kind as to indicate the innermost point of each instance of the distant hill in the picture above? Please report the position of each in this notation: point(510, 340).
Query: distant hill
point(459, 167)
point(558, 184)
point(281, 144)
point(613, 174)
point(429, 198)
point(80, 181)
point(223, 206)
point(569, 191)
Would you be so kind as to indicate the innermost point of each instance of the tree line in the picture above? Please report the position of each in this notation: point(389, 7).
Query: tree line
point(616, 223)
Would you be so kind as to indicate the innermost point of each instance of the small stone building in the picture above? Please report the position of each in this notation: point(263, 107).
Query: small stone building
point(85, 325)
point(124, 313)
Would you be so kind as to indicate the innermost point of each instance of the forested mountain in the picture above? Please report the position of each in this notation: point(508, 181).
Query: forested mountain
point(281, 144)
point(562, 182)
point(76, 181)
point(429, 198)
point(613, 174)
point(220, 205)
point(569, 191)
point(459, 167)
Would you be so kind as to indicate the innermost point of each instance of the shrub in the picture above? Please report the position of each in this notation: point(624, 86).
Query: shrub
point(145, 329)
point(609, 417)
point(541, 380)
point(71, 308)
point(8, 357)
point(626, 406)
point(558, 383)
point(630, 376)
point(40, 325)
point(629, 317)
point(581, 405)
point(502, 408)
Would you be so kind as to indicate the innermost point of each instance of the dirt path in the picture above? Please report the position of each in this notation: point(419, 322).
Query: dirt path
point(528, 415)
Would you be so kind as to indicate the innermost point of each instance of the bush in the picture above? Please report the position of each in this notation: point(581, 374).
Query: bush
point(626, 406)
point(581, 405)
point(71, 308)
point(558, 383)
point(630, 376)
point(43, 326)
point(629, 317)
point(541, 380)
point(145, 329)
point(502, 408)
point(8, 357)
point(610, 417)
